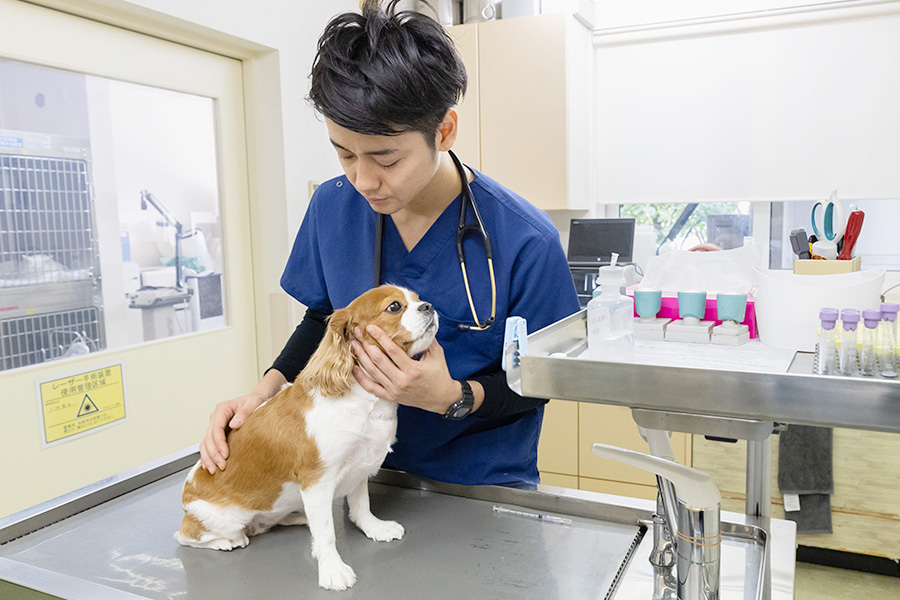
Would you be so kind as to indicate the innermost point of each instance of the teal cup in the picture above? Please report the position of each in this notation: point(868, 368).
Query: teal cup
point(647, 303)
point(731, 306)
point(692, 305)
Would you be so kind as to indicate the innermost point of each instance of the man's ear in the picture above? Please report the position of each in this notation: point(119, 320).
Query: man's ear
point(447, 131)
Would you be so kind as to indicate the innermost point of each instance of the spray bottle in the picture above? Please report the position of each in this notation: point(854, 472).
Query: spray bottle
point(610, 318)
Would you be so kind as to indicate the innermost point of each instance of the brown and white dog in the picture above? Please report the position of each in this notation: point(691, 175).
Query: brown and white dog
point(318, 439)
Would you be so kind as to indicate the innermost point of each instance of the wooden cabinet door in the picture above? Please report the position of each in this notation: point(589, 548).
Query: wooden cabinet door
point(468, 141)
point(523, 110)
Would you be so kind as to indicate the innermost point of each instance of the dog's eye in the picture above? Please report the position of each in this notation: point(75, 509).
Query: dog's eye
point(394, 307)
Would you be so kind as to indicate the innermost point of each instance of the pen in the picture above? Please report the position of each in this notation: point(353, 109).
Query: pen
point(530, 515)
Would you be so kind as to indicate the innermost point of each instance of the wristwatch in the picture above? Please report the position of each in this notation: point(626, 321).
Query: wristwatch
point(462, 408)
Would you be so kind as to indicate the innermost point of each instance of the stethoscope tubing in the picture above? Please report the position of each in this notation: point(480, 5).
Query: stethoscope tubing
point(466, 199)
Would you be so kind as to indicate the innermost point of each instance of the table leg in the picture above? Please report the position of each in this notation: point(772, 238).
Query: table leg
point(759, 477)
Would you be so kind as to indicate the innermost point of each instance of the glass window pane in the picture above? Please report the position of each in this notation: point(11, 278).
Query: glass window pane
point(102, 177)
point(687, 225)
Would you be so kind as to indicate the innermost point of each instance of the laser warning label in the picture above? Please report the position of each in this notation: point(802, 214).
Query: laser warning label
point(82, 403)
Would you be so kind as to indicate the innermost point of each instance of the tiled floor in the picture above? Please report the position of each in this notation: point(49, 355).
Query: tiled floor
point(815, 582)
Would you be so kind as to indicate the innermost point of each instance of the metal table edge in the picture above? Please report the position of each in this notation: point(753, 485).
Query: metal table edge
point(42, 515)
point(578, 503)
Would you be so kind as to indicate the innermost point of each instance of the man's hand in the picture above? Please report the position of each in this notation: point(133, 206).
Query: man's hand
point(389, 373)
point(231, 414)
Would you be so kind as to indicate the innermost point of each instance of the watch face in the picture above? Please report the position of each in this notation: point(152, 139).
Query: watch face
point(462, 412)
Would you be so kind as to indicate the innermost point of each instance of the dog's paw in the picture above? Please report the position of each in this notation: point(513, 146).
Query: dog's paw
point(336, 575)
point(227, 544)
point(383, 531)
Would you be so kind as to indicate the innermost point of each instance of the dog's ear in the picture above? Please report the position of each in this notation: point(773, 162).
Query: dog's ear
point(341, 323)
point(330, 368)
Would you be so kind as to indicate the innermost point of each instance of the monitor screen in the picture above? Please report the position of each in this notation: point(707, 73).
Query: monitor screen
point(592, 241)
point(727, 231)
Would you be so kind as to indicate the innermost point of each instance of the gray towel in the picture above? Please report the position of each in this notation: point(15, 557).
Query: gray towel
point(805, 468)
point(814, 516)
point(804, 460)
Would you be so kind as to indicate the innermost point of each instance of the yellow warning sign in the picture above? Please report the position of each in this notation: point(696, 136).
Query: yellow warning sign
point(81, 403)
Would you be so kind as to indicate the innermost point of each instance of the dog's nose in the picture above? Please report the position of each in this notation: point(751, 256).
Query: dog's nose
point(426, 308)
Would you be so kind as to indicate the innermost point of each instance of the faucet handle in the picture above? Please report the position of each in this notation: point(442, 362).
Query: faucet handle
point(695, 488)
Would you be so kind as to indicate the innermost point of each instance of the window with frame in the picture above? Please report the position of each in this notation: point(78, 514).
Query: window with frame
point(109, 214)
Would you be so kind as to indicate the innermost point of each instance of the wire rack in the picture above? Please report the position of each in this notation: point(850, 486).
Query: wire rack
point(46, 221)
point(880, 359)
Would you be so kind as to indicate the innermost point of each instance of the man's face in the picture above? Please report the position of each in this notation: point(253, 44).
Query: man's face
point(390, 171)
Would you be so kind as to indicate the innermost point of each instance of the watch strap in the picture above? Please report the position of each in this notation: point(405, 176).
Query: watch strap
point(462, 408)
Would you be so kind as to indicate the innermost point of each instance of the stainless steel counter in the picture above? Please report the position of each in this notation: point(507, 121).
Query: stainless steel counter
point(113, 541)
point(797, 396)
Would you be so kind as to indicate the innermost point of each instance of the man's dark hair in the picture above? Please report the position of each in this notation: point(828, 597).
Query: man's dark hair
point(383, 72)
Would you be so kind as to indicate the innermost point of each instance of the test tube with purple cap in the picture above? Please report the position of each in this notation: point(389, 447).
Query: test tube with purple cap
point(849, 323)
point(868, 363)
point(827, 340)
point(889, 339)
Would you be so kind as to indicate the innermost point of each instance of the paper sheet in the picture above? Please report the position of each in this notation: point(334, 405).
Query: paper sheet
point(753, 357)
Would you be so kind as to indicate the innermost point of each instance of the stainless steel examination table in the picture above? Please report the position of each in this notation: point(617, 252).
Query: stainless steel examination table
point(113, 540)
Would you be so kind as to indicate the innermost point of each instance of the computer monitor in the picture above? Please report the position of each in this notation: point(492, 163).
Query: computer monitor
point(593, 241)
point(727, 231)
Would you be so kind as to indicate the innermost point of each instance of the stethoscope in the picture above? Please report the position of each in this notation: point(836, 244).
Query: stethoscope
point(462, 230)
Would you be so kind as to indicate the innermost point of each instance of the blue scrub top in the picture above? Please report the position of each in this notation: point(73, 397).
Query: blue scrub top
point(332, 262)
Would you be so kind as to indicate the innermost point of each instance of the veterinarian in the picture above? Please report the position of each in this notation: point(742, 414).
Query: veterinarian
point(385, 83)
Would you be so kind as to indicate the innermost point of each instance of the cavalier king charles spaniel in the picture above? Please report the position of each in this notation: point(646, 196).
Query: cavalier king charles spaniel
point(317, 440)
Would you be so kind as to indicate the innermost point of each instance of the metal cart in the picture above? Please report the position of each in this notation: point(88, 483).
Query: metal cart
point(724, 403)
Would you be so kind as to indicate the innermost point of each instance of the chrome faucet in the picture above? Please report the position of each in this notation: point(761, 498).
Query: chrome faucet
point(686, 529)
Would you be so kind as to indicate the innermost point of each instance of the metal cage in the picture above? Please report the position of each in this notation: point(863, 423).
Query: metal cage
point(49, 263)
point(34, 339)
point(46, 221)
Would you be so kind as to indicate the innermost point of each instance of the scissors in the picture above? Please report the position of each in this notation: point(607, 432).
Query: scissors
point(831, 223)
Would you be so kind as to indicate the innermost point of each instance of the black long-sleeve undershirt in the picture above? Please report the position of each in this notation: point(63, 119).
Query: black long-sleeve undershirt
point(499, 400)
